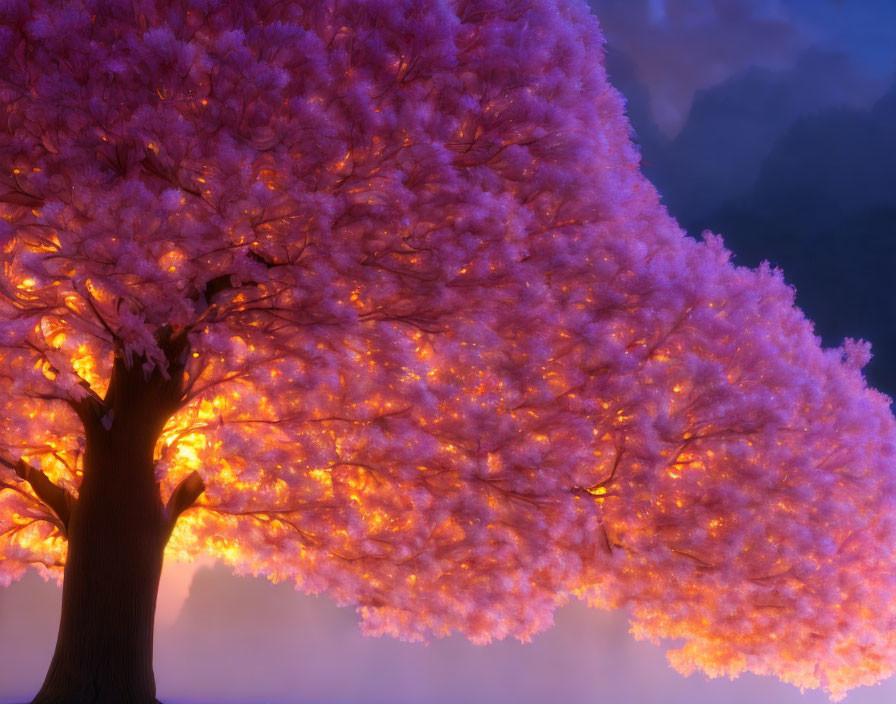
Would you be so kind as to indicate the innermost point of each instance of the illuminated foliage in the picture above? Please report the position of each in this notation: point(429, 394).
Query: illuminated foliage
point(449, 358)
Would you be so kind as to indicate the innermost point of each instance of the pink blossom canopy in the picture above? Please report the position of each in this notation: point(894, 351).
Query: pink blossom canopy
point(451, 360)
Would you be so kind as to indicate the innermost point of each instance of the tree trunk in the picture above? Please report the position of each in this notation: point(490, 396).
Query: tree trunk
point(116, 538)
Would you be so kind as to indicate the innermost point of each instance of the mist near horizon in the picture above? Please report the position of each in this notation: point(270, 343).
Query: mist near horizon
point(243, 640)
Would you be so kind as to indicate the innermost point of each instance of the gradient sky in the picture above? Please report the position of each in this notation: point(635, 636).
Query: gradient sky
point(222, 638)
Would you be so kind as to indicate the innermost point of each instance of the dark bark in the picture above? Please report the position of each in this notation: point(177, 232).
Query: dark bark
point(117, 530)
point(104, 648)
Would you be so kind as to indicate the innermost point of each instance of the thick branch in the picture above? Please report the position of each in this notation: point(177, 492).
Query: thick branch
point(184, 497)
point(223, 282)
point(57, 499)
point(158, 395)
point(88, 408)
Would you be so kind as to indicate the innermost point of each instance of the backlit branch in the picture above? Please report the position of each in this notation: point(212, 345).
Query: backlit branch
point(57, 499)
point(88, 407)
point(272, 515)
point(183, 497)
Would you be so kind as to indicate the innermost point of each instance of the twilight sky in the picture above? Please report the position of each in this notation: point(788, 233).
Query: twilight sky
point(784, 153)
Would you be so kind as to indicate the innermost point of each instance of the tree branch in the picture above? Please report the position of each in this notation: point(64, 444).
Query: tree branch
point(221, 283)
point(57, 499)
point(87, 408)
point(183, 497)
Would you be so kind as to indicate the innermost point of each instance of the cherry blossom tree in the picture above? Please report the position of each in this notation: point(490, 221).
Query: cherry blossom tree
point(371, 296)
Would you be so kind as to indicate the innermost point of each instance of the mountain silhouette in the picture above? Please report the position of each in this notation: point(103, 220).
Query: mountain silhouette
point(733, 127)
point(823, 208)
point(791, 167)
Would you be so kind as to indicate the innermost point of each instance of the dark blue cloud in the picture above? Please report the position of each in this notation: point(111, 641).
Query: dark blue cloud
point(679, 47)
point(733, 127)
point(866, 29)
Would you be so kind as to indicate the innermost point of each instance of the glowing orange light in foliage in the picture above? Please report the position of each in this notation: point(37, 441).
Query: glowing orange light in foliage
point(449, 359)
